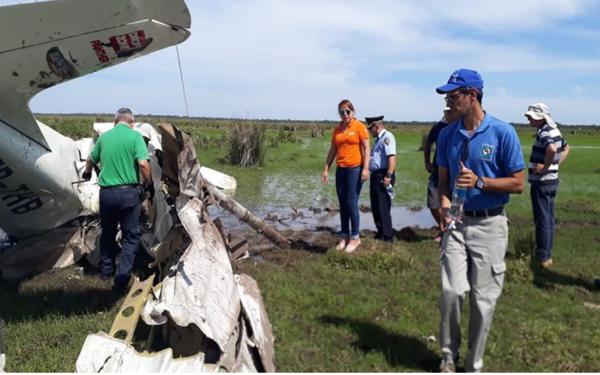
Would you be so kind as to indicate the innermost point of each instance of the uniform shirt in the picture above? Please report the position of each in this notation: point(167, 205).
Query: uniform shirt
point(545, 136)
point(118, 151)
point(493, 150)
point(385, 145)
point(349, 153)
point(432, 139)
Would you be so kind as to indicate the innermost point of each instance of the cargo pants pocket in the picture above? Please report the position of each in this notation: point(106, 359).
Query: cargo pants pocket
point(498, 272)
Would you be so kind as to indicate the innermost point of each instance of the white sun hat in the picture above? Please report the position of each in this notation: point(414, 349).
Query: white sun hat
point(538, 111)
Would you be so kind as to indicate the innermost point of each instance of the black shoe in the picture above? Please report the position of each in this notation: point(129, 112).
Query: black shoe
point(105, 277)
point(119, 290)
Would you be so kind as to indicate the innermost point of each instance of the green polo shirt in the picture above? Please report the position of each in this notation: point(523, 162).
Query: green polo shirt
point(118, 152)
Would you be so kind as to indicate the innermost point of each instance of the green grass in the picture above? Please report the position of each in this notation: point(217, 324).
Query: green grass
point(374, 311)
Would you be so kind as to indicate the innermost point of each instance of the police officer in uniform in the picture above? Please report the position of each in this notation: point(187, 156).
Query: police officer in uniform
point(381, 166)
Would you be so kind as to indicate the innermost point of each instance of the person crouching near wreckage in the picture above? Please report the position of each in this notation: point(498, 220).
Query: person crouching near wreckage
point(482, 155)
point(122, 154)
point(350, 147)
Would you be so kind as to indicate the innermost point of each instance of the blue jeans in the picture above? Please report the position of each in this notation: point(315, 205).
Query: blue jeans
point(348, 185)
point(542, 201)
point(119, 206)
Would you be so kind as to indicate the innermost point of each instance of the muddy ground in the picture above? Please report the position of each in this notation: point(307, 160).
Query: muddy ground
point(308, 243)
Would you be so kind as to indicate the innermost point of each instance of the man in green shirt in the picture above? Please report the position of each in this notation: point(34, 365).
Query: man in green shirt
point(122, 154)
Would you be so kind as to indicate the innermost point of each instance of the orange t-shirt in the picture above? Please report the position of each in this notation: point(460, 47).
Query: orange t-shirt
point(348, 143)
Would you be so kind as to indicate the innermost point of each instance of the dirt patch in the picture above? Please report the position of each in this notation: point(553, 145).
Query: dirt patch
point(580, 207)
point(306, 244)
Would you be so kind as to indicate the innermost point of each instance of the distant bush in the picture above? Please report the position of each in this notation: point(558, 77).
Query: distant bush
point(246, 142)
point(316, 131)
point(70, 126)
point(287, 137)
point(423, 141)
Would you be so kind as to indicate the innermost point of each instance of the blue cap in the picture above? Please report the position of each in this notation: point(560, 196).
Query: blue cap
point(462, 78)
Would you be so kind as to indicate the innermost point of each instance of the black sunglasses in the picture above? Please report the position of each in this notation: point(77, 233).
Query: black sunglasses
point(344, 112)
point(450, 99)
point(465, 151)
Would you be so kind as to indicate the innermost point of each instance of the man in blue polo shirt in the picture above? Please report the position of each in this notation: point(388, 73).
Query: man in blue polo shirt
point(483, 155)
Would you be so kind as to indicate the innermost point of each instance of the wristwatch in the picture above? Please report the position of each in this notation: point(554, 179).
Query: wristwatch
point(479, 183)
point(388, 175)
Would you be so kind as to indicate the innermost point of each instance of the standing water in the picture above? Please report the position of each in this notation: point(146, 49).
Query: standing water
point(297, 219)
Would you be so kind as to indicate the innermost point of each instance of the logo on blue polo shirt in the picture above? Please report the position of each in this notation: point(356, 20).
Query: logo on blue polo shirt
point(486, 152)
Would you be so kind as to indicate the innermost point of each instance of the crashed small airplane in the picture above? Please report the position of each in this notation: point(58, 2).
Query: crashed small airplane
point(209, 319)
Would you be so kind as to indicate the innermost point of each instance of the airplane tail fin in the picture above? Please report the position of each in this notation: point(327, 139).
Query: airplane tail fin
point(47, 43)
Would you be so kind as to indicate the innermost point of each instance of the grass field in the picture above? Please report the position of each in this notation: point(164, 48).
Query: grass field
point(374, 311)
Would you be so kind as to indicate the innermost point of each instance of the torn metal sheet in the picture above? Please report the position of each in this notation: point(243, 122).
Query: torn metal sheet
point(57, 249)
point(103, 354)
point(254, 308)
point(2, 347)
point(198, 305)
point(127, 318)
point(202, 290)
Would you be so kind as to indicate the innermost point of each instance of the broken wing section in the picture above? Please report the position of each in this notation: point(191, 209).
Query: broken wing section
point(44, 44)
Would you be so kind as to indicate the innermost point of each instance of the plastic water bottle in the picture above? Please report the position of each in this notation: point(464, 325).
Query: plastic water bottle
point(459, 196)
point(391, 191)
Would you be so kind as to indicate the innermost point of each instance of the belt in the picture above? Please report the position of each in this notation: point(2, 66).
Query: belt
point(380, 172)
point(118, 187)
point(484, 213)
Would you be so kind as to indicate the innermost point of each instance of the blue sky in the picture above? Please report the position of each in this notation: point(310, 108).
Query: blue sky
point(296, 59)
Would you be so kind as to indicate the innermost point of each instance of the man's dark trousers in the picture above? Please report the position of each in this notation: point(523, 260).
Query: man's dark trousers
point(381, 204)
point(542, 201)
point(119, 205)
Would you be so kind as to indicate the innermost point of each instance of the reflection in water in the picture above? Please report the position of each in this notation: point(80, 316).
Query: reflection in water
point(300, 189)
point(276, 197)
point(287, 218)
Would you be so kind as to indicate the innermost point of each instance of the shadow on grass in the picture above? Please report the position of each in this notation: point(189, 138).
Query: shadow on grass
point(399, 350)
point(18, 306)
point(408, 234)
point(545, 278)
point(307, 246)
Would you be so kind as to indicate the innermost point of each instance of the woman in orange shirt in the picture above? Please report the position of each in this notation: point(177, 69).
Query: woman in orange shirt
point(350, 147)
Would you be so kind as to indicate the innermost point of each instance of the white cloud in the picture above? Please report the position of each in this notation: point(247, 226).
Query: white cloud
point(492, 15)
point(296, 59)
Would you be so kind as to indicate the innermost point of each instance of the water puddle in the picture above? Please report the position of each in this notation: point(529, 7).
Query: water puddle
point(314, 219)
point(258, 258)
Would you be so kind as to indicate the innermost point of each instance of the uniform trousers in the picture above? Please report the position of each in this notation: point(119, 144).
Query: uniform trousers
point(381, 205)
